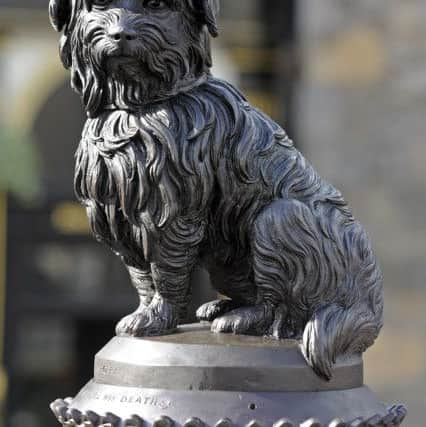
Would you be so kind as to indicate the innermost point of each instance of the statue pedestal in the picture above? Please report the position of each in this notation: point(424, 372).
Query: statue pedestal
point(195, 378)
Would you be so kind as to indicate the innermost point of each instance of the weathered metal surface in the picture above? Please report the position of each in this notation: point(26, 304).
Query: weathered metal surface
point(178, 397)
point(176, 168)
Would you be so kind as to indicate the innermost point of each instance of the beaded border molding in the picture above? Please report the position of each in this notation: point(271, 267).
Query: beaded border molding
point(70, 417)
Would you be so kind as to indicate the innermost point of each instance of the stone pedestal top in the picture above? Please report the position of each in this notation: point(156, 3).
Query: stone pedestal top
point(197, 359)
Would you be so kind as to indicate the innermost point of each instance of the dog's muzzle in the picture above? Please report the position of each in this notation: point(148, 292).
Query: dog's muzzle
point(121, 35)
point(123, 40)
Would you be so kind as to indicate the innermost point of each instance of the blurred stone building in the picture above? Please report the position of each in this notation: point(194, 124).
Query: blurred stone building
point(361, 117)
point(346, 78)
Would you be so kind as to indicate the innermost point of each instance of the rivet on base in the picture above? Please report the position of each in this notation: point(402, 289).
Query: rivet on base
point(74, 415)
point(134, 421)
point(400, 412)
point(193, 422)
point(374, 421)
point(284, 422)
point(313, 422)
point(110, 420)
point(359, 422)
point(59, 408)
point(91, 419)
point(224, 422)
point(163, 421)
point(255, 423)
point(388, 420)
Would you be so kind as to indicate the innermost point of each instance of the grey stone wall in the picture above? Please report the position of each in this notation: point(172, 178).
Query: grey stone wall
point(362, 122)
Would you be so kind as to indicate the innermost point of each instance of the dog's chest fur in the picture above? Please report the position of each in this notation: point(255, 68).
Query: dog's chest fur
point(205, 153)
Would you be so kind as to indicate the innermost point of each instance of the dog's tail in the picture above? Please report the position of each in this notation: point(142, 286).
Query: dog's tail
point(350, 323)
point(335, 330)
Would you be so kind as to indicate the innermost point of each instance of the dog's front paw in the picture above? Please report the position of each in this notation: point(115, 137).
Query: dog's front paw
point(213, 309)
point(159, 318)
point(134, 325)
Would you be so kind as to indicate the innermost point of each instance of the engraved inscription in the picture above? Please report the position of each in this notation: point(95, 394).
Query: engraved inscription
point(132, 399)
point(108, 370)
point(146, 400)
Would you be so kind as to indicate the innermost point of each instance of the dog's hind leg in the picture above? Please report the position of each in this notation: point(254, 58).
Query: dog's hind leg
point(253, 320)
point(234, 282)
point(242, 315)
point(275, 268)
point(328, 279)
point(245, 313)
point(213, 309)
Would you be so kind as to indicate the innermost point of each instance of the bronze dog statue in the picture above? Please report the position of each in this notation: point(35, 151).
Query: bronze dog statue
point(175, 168)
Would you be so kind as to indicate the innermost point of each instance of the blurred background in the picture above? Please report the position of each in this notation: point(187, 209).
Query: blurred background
point(346, 78)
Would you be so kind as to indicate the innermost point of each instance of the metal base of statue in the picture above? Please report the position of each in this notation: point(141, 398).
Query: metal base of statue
point(196, 378)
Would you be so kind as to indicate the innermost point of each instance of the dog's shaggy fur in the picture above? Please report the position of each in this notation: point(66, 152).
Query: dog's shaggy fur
point(176, 168)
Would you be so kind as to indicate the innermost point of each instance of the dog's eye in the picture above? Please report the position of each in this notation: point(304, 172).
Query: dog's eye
point(156, 4)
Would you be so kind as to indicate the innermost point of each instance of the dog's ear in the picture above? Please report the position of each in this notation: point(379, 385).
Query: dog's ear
point(209, 10)
point(59, 13)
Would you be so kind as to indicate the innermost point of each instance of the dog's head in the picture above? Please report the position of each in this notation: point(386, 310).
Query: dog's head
point(127, 53)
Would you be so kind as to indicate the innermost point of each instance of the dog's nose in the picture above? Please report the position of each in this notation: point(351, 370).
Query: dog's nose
point(121, 34)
